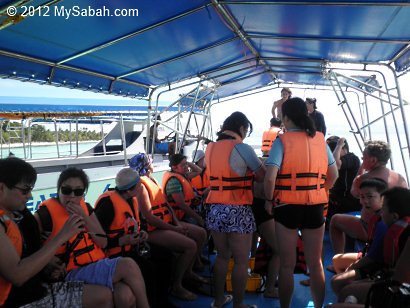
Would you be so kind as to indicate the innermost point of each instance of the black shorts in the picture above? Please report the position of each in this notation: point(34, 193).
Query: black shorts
point(259, 212)
point(298, 216)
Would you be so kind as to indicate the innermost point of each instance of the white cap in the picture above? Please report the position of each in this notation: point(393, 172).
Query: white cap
point(198, 155)
point(126, 178)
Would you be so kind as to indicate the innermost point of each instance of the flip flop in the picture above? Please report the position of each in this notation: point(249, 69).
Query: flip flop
point(228, 299)
point(331, 268)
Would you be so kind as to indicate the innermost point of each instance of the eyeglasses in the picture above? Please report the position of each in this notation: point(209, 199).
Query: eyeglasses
point(24, 190)
point(68, 190)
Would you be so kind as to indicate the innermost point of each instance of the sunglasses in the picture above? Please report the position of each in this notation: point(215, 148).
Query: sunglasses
point(25, 190)
point(68, 190)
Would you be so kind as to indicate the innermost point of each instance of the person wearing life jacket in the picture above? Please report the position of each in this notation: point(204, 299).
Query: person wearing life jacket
point(232, 166)
point(201, 181)
point(270, 135)
point(165, 229)
point(24, 264)
point(300, 168)
point(178, 189)
point(391, 236)
point(118, 213)
point(83, 253)
point(359, 228)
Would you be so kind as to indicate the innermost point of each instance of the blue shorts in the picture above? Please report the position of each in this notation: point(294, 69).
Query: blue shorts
point(100, 273)
point(227, 218)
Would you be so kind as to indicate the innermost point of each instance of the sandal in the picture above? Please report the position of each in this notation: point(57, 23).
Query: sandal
point(228, 299)
point(305, 283)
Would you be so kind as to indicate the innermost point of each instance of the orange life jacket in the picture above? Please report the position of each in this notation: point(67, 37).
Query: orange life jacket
point(269, 137)
point(80, 247)
point(301, 177)
point(124, 222)
point(13, 233)
point(158, 204)
point(201, 182)
point(189, 193)
point(227, 187)
point(391, 241)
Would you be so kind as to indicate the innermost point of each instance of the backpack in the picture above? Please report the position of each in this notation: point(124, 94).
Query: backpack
point(388, 294)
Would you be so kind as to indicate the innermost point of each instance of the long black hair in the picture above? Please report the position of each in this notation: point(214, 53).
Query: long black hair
point(295, 109)
point(234, 123)
point(73, 172)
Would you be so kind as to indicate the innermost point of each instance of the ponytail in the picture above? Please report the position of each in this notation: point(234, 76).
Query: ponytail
point(295, 109)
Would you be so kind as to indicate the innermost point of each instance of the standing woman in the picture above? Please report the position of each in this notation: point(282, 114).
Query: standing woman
point(232, 166)
point(316, 115)
point(299, 169)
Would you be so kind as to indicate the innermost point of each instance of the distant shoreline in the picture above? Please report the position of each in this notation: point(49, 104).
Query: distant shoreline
point(36, 144)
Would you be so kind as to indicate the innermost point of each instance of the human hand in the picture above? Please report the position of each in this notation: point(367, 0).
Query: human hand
point(181, 229)
point(73, 207)
point(341, 142)
point(72, 226)
point(55, 270)
point(269, 207)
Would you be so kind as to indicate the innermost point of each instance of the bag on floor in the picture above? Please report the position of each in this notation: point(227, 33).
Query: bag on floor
point(388, 294)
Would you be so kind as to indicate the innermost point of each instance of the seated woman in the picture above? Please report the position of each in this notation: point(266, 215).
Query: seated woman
point(165, 229)
point(82, 253)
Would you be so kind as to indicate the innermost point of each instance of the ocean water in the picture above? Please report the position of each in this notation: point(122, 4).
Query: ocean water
point(47, 150)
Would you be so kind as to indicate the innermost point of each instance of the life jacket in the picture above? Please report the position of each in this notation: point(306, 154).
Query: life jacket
point(371, 230)
point(189, 193)
point(13, 233)
point(201, 182)
point(269, 137)
point(158, 204)
point(80, 249)
point(301, 177)
point(391, 241)
point(227, 187)
point(125, 221)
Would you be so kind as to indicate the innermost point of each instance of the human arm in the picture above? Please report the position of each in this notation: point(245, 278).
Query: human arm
point(194, 170)
point(179, 199)
point(357, 181)
point(269, 186)
point(336, 153)
point(91, 223)
point(17, 270)
point(145, 208)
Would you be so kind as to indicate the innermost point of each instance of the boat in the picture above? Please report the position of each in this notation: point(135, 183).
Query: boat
point(213, 51)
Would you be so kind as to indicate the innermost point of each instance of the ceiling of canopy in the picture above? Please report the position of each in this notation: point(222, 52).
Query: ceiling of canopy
point(238, 45)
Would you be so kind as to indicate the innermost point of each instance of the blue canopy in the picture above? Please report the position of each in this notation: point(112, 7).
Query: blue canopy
point(240, 45)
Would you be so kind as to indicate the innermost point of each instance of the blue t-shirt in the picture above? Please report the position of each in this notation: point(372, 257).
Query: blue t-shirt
point(276, 153)
point(243, 157)
point(376, 248)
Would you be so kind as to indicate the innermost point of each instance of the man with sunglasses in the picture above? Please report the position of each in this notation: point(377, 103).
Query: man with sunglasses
point(24, 265)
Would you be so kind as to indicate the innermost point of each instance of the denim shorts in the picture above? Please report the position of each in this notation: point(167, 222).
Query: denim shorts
point(99, 273)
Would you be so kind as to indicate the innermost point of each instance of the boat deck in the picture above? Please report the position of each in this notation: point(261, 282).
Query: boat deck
point(301, 295)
